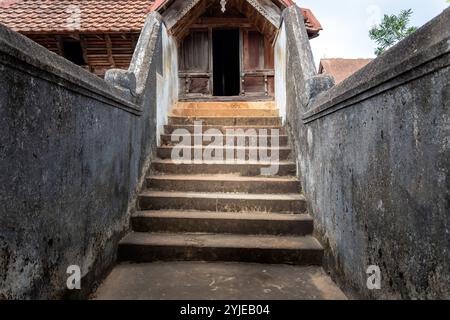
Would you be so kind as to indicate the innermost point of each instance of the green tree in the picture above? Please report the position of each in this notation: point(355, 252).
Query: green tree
point(391, 30)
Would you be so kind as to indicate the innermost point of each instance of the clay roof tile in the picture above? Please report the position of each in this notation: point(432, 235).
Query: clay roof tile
point(340, 68)
point(50, 16)
point(99, 16)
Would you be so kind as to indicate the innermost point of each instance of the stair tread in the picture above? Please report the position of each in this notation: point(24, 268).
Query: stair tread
point(262, 163)
point(230, 135)
point(222, 177)
point(224, 112)
point(217, 281)
point(211, 215)
point(236, 127)
point(221, 195)
point(224, 117)
point(204, 240)
point(229, 147)
point(236, 105)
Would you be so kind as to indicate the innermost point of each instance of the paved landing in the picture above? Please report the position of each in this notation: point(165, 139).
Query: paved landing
point(216, 281)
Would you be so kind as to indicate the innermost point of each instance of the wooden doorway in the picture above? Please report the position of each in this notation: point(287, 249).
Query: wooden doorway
point(226, 55)
point(226, 62)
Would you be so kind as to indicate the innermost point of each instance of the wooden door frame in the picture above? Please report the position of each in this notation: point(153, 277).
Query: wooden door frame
point(265, 73)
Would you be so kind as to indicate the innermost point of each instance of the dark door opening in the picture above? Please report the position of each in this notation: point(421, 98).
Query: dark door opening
point(73, 52)
point(226, 62)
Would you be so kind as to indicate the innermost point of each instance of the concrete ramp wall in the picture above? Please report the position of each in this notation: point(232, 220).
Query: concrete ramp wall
point(374, 158)
point(73, 151)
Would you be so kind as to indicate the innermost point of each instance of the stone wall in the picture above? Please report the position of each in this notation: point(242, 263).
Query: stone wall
point(374, 158)
point(73, 151)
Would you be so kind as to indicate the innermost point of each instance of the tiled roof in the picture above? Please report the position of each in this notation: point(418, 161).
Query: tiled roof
point(99, 16)
point(312, 24)
point(341, 69)
point(47, 16)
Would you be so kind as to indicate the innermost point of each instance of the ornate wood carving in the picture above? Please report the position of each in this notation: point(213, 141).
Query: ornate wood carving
point(268, 10)
point(182, 12)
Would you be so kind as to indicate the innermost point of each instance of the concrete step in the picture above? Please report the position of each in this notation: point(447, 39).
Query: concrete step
point(222, 222)
point(285, 168)
point(224, 183)
point(148, 247)
point(166, 139)
point(227, 202)
point(247, 129)
point(198, 280)
point(223, 112)
point(227, 121)
point(234, 105)
point(165, 152)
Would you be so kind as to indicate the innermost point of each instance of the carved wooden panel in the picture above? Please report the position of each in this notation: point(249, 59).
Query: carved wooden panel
point(254, 84)
point(269, 55)
point(182, 14)
point(253, 49)
point(257, 65)
point(194, 52)
point(199, 86)
point(195, 63)
point(271, 86)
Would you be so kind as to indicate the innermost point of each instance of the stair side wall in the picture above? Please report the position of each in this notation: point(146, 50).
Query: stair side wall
point(373, 155)
point(73, 152)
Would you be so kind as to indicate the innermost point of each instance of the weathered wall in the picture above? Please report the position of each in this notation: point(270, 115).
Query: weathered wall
point(280, 71)
point(167, 79)
point(73, 150)
point(373, 154)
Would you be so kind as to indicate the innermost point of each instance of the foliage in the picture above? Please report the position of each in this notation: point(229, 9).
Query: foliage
point(391, 30)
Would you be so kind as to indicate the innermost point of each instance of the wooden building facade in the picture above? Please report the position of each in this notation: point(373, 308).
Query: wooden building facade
point(225, 47)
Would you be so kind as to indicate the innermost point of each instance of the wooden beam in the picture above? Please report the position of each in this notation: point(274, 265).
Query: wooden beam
point(59, 44)
point(177, 11)
point(184, 13)
point(84, 50)
point(268, 10)
point(109, 50)
point(222, 22)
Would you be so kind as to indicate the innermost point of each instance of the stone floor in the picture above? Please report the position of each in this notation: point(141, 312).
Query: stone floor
point(216, 281)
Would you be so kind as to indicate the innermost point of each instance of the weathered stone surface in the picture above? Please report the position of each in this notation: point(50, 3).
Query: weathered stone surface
point(217, 281)
point(222, 222)
point(227, 202)
point(149, 247)
point(373, 154)
point(224, 183)
point(202, 214)
point(73, 150)
point(227, 121)
point(286, 168)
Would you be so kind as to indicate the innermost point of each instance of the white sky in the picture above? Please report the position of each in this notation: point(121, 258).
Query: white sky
point(346, 23)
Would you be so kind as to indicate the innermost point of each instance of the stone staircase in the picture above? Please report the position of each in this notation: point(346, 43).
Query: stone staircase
point(226, 211)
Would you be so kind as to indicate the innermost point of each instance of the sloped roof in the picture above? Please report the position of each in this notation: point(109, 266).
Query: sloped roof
point(340, 68)
point(54, 16)
point(312, 24)
point(96, 16)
